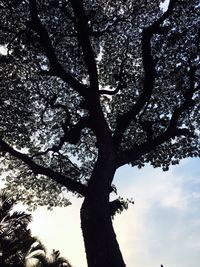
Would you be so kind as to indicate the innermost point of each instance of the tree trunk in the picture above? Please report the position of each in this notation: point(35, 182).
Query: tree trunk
point(102, 249)
point(101, 245)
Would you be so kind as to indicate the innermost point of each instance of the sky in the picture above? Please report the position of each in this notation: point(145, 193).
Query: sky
point(162, 227)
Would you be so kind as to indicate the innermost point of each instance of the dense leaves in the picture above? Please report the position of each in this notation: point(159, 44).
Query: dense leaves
point(88, 86)
point(15, 237)
point(18, 248)
point(59, 51)
point(66, 60)
point(37, 257)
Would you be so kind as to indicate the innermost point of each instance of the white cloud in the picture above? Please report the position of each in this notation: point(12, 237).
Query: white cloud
point(162, 227)
point(163, 212)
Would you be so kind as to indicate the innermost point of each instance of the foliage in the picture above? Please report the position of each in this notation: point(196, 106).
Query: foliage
point(88, 86)
point(37, 257)
point(15, 237)
point(18, 248)
point(69, 61)
point(119, 205)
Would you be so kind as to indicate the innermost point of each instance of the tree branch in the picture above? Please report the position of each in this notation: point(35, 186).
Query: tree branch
point(119, 78)
point(177, 112)
point(73, 135)
point(135, 153)
point(124, 120)
point(83, 36)
point(171, 132)
point(51, 101)
point(121, 85)
point(91, 96)
point(44, 40)
point(69, 183)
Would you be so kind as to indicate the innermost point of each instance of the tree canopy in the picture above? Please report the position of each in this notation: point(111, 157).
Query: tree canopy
point(80, 74)
point(88, 86)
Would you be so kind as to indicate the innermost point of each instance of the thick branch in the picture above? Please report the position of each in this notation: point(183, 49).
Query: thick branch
point(171, 132)
point(177, 113)
point(91, 96)
point(73, 135)
point(51, 101)
point(84, 40)
point(70, 184)
point(149, 74)
point(149, 78)
point(135, 153)
point(46, 44)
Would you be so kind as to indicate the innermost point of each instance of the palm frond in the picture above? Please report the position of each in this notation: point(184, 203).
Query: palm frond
point(6, 203)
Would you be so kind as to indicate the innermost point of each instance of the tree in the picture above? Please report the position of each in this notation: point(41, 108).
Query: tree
point(37, 257)
point(89, 86)
point(18, 248)
point(15, 237)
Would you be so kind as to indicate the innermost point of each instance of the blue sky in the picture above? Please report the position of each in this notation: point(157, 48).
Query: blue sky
point(162, 227)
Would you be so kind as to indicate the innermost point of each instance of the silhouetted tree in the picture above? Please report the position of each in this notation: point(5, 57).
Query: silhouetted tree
point(89, 86)
point(15, 237)
point(18, 248)
point(37, 257)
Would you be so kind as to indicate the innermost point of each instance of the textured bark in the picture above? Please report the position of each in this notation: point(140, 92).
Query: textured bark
point(101, 245)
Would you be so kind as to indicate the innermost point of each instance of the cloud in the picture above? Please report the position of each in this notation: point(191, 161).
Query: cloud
point(165, 211)
point(162, 227)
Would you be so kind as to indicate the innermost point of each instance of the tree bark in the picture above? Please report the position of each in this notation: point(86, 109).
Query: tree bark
point(102, 249)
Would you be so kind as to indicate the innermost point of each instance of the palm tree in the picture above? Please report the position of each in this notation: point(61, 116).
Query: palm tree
point(18, 248)
point(56, 261)
point(15, 237)
point(37, 257)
